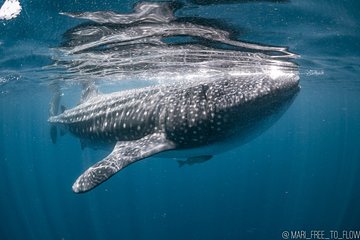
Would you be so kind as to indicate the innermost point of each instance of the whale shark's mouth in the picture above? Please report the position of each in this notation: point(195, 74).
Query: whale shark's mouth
point(152, 45)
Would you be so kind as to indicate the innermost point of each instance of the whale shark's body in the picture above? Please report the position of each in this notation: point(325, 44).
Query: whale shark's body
point(147, 121)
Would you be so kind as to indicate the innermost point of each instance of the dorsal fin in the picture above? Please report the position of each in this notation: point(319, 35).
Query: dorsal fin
point(89, 91)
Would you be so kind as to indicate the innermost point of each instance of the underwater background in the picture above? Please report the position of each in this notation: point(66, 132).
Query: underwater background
point(303, 173)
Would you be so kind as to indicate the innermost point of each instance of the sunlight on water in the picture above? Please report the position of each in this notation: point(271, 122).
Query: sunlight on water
point(314, 72)
point(10, 9)
point(133, 48)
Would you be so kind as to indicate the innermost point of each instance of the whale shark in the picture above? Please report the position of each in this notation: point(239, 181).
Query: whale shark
point(146, 121)
point(206, 91)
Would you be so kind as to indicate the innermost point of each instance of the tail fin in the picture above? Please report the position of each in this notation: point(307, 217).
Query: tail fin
point(62, 108)
point(53, 133)
point(54, 109)
point(181, 163)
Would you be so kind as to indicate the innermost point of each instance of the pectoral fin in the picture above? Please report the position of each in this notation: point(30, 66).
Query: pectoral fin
point(181, 163)
point(124, 153)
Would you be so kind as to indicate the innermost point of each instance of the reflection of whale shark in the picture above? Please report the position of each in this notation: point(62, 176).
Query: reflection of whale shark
point(147, 121)
point(152, 45)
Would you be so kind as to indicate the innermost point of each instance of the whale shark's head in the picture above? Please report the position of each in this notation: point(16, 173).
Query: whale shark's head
point(262, 77)
point(284, 77)
point(242, 103)
point(252, 102)
point(267, 75)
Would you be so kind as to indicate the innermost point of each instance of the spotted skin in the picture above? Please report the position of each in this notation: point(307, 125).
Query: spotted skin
point(147, 121)
point(124, 153)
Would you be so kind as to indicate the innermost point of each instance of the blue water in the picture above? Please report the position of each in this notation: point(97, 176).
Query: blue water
point(301, 174)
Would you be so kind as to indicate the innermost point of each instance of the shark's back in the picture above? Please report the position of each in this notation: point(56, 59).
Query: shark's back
point(113, 117)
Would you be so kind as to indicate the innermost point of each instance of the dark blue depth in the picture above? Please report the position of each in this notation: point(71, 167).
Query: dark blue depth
point(301, 174)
